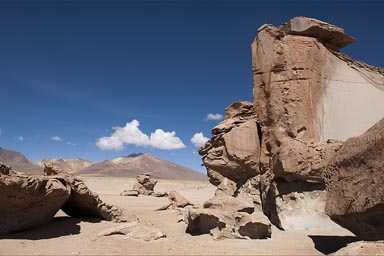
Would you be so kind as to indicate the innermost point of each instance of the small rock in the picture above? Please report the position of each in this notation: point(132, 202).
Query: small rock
point(135, 230)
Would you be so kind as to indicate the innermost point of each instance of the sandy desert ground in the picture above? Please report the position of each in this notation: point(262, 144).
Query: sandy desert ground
point(70, 236)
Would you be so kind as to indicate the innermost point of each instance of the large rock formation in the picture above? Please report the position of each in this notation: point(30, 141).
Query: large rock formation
point(355, 179)
point(28, 201)
point(233, 150)
point(308, 99)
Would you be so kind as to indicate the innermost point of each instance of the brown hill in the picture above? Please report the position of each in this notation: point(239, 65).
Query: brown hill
point(19, 162)
point(134, 164)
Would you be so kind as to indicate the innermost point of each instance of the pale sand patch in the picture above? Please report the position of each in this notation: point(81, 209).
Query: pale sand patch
point(67, 236)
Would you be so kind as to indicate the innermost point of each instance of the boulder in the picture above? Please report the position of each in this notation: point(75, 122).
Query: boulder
point(28, 201)
point(145, 184)
point(233, 150)
point(82, 202)
point(130, 192)
point(227, 224)
point(355, 178)
point(135, 230)
point(175, 201)
point(330, 35)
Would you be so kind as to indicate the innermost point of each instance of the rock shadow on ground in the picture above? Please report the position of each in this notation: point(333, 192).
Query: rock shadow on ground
point(331, 244)
point(58, 227)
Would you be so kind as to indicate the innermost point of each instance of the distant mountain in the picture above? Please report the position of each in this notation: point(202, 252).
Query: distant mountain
point(134, 164)
point(128, 166)
point(70, 165)
point(19, 162)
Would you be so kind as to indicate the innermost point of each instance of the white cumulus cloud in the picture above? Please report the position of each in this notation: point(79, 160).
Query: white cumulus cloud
point(20, 138)
point(216, 116)
point(56, 138)
point(131, 134)
point(71, 143)
point(165, 140)
point(199, 139)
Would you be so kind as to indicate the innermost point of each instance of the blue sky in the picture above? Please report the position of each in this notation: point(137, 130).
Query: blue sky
point(71, 71)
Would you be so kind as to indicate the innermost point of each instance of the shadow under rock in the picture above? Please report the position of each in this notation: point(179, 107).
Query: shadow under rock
point(330, 244)
point(59, 226)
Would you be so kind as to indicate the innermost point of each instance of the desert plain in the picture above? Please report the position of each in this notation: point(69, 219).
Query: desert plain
point(70, 236)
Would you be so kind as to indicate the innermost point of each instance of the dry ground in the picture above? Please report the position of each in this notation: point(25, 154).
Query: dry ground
point(69, 236)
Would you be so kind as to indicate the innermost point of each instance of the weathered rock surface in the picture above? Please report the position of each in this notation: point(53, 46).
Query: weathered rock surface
point(362, 248)
point(145, 184)
point(300, 101)
point(233, 150)
point(130, 192)
point(227, 224)
point(355, 179)
point(28, 201)
point(135, 230)
point(82, 202)
point(229, 203)
point(330, 35)
point(308, 99)
point(176, 201)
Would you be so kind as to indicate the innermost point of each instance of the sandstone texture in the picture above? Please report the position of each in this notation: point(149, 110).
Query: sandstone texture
point(176, 201)
point(82, 202)
point(355, 178)
point(135, 230)
point(362, 248)
point(308, 99)
point(223, 220)
point(145, 184)
point(233, 150)
point(330, 35)
point(28, 201)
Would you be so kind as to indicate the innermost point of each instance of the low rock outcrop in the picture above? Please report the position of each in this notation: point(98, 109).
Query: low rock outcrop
point(28, 201)
point(355, 178)
point(176, 201)
point(135, 230)
point(144, 185)
point(227, 224)
point(83, 202)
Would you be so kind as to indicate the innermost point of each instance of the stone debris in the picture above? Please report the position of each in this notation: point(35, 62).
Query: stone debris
point(130, 192)
point(354, 178)
point(135, 230)
point(227, 224)
point(176, 201)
